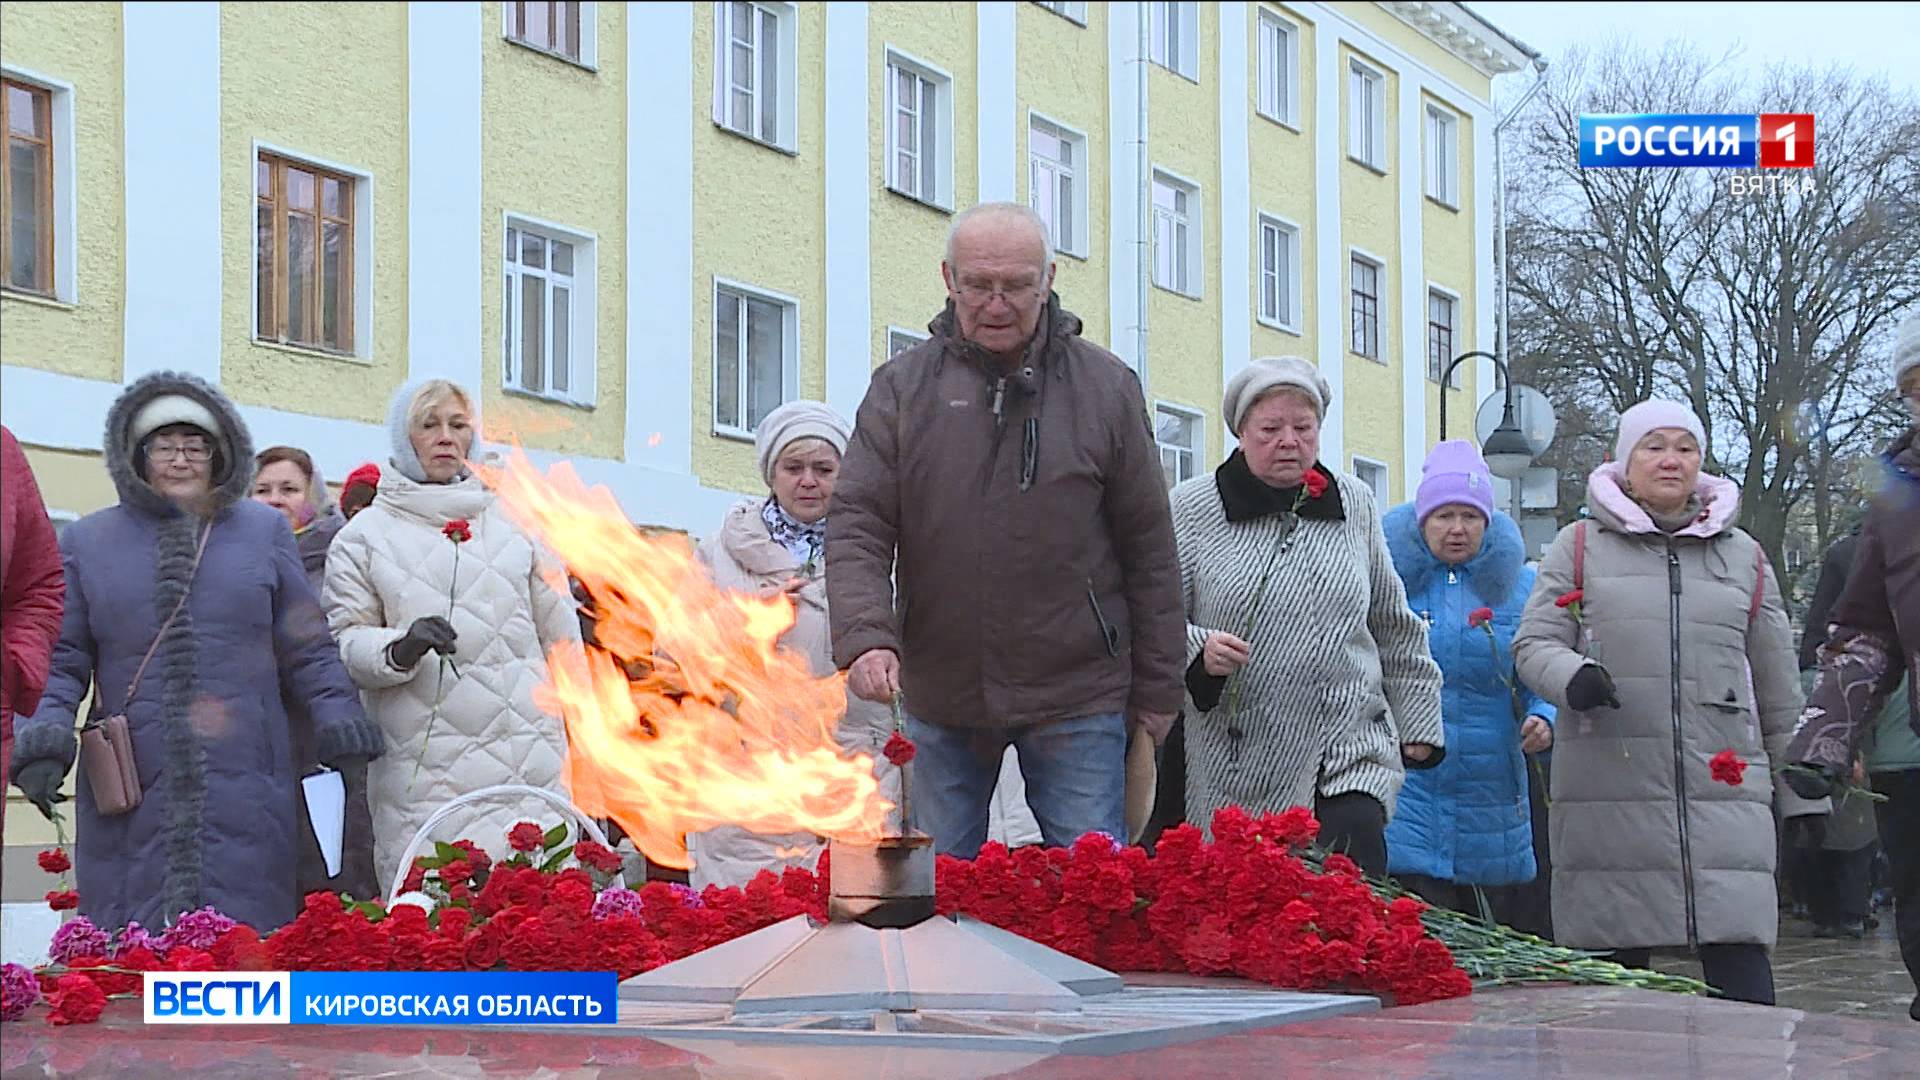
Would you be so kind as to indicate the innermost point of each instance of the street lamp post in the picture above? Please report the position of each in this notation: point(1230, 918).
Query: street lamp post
point(1506, 450)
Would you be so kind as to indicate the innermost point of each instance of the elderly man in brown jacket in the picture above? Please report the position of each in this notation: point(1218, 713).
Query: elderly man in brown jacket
point(1000, 549)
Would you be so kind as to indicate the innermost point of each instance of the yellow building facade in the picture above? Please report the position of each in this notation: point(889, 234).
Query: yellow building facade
point(637, 229)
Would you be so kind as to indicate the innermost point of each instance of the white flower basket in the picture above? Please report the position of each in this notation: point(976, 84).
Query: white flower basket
point(570, 816)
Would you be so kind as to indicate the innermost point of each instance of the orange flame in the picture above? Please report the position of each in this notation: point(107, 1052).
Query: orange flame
point(710, 722)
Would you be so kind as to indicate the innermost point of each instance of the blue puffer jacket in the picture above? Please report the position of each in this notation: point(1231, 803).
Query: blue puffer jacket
point(1467, 819)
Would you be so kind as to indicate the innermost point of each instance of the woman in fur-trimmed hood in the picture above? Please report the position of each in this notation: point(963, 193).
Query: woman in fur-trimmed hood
point(216, 824)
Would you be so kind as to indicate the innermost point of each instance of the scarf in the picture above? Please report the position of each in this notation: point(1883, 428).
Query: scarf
point(804, 542)
point(1246, 497)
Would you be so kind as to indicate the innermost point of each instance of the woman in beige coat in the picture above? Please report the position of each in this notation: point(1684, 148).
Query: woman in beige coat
point(775, 544)
point(1677, 650)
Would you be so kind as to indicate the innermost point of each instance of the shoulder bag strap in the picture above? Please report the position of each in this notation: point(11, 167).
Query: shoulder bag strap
point(1759, 582)
point(1579, 554)
point(205, 533)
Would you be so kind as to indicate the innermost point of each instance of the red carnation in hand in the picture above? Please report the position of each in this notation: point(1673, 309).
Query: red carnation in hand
point(1479, 616)
point(1570, 598)
point(458, 531)
point(55, 861)
point(1316, 484)
point(899, 749)
point(526, 836)
point(1727, 767)
point(77, 1000)
point(63, 900)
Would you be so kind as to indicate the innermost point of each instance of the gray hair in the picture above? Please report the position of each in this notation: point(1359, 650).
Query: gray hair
point(1006, 210)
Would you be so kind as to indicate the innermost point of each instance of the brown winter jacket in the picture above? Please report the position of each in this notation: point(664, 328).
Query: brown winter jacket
point(1011, 602)
point(1875, 626)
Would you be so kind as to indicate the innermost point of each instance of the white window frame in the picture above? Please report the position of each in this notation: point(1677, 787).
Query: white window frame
point(65, 208)
point(940, 82)
point(896, 334)
point(1383, 491)
point(1196, 448)
point(1278, 40)
point(1381, 308)
point(789, 351)
point(1453, 298)
point(583, 319)
point(1181, 55)
point(1080, 172)
point(362, 254)
point(1443, 155)
point(1285, 313)
point(786, 107)
point(1366, 144)
point(589, 36)
point(1074, 11)
point(1192, 262)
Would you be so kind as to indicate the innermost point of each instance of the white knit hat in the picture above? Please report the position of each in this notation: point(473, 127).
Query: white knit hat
point(1906, 348)
point(792, 422)
point(171, 409)
point(1268, 373)
point(1652, 415)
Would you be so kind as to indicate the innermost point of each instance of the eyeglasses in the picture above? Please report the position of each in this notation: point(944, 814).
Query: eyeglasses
point(196, 451)
point(980, 292)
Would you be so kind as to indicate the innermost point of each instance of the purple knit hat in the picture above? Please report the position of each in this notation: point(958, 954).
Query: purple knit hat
point(1454, 473)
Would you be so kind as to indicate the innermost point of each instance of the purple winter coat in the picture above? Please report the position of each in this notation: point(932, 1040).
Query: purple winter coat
point(217, 822)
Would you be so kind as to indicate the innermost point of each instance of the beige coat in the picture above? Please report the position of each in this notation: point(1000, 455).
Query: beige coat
point(741, 556)
point(1649, 849)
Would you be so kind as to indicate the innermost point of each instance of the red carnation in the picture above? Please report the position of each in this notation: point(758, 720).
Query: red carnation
point(899, 749)
point(597, 856)
point(479, 859)
point(1727, 767)
point(457, 870)
point(1316, 484)
point(55, 861)
point(482, 951)
point(416, 880)
point(1479, 616)
point(63, 900)
point(1570, 598)
point(458, 531)
point(76, 1000)
point(526, 836)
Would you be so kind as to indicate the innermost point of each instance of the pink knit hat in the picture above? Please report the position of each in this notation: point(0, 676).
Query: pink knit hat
point(1652, 415)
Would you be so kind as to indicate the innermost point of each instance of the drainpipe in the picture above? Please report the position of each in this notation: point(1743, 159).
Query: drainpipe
point(1143, 252)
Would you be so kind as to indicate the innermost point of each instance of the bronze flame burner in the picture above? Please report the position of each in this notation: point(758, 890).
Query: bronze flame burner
point(885, 885)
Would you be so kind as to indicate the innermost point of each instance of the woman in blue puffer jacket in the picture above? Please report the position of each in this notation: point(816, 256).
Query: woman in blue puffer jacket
point(1465, 825)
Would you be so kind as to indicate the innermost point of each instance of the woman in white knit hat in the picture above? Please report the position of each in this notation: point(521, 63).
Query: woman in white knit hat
point(770, 545)
point(1674, 654)
point(1311, 676)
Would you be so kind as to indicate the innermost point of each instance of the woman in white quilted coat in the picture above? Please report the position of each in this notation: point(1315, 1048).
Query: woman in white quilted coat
point(772, 544)
point(452, 640)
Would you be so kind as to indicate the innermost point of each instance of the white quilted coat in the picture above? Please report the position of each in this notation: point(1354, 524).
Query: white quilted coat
point(393, 564)
point(743, 557)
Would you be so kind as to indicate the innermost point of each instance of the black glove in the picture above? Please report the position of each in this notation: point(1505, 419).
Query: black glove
point(1590, 688)
point(39, 781)
point(431, 632)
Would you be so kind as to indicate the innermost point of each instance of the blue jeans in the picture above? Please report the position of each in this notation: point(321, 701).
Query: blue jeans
point(1075, 772)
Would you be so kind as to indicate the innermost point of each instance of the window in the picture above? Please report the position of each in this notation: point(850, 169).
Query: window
point(1174, 37)
point(1057, 183)
point(549, 313)
point(1182, 442)
point(919, 131)
point(899, 341)
point(755, 74)
point(1367, 116)
point(1373, 474)
point(1279, 290)
point(562, 29)
point(1176, 235)
point(304, 254)
point(1279, 68)
point(26, 188)
point(755, 357)
point(1440, 309)
point(1073, 12)
point(1366, 307)
point(1443, 157)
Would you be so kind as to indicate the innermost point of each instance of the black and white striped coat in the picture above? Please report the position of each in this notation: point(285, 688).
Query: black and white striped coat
point(1340, 674)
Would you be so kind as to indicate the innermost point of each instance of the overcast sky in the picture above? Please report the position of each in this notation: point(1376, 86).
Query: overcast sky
point(1881, 38)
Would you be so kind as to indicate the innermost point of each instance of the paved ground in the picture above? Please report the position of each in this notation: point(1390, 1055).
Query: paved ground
point(1841, 978)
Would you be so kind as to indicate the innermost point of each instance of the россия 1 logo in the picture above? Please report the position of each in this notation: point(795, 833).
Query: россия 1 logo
point(1697, 140)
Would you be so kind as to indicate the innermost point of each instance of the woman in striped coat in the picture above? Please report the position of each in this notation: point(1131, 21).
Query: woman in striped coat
point(1310, 676)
